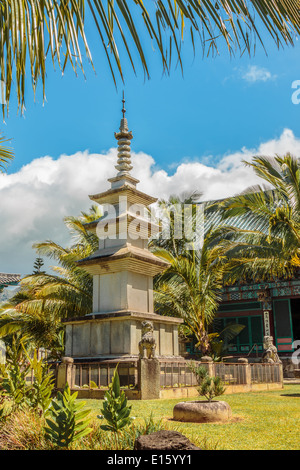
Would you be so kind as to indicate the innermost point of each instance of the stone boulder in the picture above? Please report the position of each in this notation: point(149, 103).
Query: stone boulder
point(202, 411)
point(164, 440)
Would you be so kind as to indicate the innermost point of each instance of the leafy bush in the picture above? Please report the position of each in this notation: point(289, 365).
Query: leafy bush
point(40, 392)
point(13, 376)
point(14, 387)
point(115, 409)
point(209, 387)
point(67, 422)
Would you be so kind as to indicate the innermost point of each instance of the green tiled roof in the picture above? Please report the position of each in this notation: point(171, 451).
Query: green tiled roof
point(7, 279)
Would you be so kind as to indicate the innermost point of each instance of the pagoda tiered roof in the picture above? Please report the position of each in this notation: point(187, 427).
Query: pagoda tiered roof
point(111, 196)
point(129, 221)
point(128, 258)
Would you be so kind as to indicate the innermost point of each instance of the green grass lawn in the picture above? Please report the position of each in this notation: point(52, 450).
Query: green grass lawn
point(260, 421)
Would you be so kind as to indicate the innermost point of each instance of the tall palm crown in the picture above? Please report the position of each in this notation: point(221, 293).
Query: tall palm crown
point(266, 239)
point(173, 221)
point(191, 287)
point(45, 299)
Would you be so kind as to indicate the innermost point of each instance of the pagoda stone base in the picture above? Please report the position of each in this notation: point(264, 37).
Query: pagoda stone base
point(117, 334)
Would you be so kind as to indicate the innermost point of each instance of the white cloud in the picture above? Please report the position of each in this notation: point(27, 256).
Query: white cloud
point(257, 74)
point(35, 200)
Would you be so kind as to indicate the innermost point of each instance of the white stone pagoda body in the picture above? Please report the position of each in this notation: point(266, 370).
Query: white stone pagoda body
point(123, 269)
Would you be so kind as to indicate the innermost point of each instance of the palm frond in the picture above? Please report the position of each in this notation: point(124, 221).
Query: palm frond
point(32, 31)
point(6, 153)
point(191, 287)
point(44, 299)
point(262, 227)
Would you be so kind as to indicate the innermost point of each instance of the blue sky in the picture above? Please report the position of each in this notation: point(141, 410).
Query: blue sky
point(191, 131)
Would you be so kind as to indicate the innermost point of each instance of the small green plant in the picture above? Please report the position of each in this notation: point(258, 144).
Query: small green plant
point(199, 371)
point(115, 410)
point(67, 422)
point(5, 408)
point(149, 426)
point(39, 394)
point(211, 387)
point(126, 437)
point(13, 375)
point(131, 433)
point(14, 386)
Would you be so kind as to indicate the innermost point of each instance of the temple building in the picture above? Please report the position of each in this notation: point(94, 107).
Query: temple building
point(264, 309)
point(270, 308)
point(8, 280)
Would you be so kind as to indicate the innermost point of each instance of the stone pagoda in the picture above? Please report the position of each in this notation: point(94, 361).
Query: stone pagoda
point(123, 269)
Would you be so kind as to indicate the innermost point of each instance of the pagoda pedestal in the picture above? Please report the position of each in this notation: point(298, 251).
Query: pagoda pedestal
point(117, 335)
point(123, 269)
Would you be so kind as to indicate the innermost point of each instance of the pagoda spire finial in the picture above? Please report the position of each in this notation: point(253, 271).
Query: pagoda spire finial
point(124, 124)
point(124, 136)
point(123, 109)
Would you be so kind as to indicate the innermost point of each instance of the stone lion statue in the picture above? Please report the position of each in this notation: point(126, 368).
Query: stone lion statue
point(147, 344)
point(270, 351)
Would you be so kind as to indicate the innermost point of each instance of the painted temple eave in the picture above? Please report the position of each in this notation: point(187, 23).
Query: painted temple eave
point(280, 288)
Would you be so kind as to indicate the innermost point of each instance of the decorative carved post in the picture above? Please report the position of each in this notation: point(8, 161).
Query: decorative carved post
point(65, 373)
point(148, 366)
point(265, 298)
point(209, 364)
point(149, 378)
point(246, 371)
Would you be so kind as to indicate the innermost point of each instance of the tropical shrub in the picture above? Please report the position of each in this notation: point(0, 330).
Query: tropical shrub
point(13, 385)
point(67, 422)
point(15, 390)
point(40, 392)
point(115, 409)
point(209, 387)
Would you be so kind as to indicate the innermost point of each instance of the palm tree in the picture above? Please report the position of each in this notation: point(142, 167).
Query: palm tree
point(44, 300)
point(32, 30)
point(173, 220)
point(263, 223)
point(191, 288)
